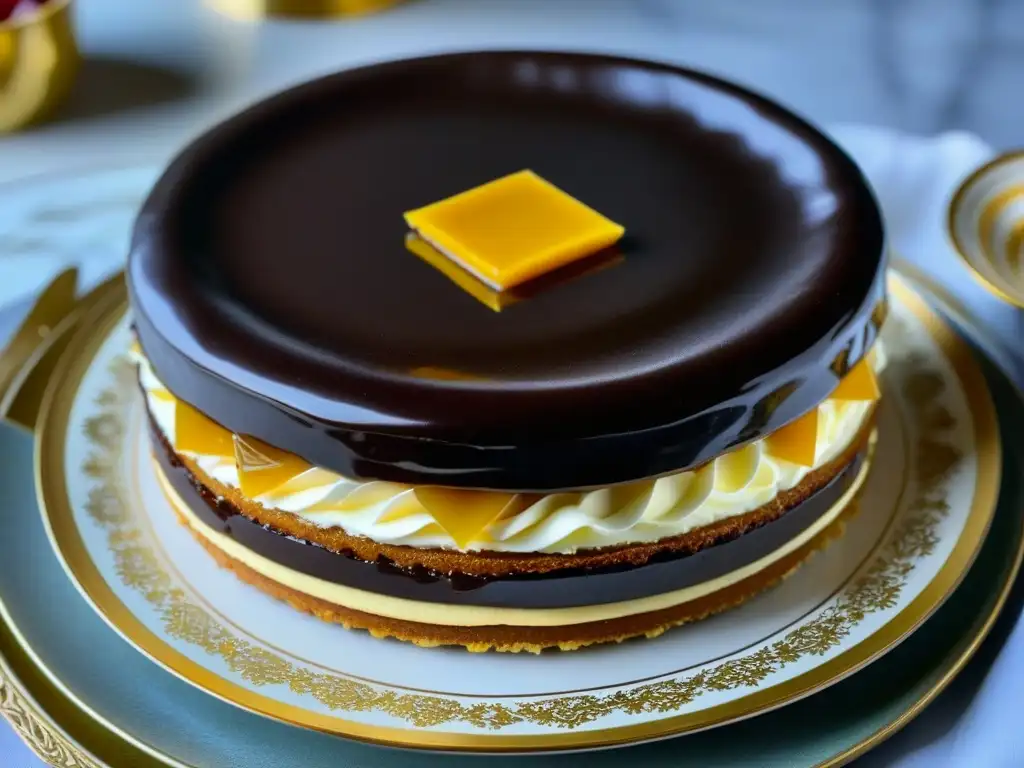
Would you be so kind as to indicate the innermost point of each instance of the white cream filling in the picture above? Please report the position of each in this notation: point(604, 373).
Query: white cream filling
point(477, 616)
point(558, 523)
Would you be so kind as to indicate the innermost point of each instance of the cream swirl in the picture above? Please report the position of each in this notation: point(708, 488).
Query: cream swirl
point(557, 523)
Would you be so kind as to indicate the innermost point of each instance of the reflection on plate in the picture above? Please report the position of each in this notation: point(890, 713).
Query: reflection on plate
point(923, 514)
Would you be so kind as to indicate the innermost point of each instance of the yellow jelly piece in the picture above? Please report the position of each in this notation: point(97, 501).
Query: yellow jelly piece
point(498, 300)
point(859, 384)
point(513, 229)
point(195, 432)
point(797, 441)
point(468, 282)
point(463, 514)
point(262, 467)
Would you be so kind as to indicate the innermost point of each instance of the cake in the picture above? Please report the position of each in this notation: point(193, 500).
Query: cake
point(407, 414)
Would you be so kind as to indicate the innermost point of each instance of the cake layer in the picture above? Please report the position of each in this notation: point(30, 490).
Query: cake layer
point(533, 639)
point(272, 288)
point(714, 553)
point(458, 615)
point(395, 514)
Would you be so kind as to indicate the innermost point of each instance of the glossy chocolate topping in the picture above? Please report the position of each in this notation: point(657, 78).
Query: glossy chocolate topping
point(555, 589)
point(272, 288)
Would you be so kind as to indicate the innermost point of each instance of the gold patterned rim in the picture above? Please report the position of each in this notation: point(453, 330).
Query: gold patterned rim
point(83, 572)
point(48, 740)
point(38, 706)
point(306, 9)
point(956, 205)
point(51, 720)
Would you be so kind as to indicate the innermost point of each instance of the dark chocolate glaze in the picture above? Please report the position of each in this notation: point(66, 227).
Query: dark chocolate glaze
point(556, 589)
point(273, 291)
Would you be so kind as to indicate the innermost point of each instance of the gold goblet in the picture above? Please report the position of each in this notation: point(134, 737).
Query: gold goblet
point(38, 62)
point(986, 225)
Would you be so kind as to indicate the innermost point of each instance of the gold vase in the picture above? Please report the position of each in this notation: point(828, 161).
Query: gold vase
point(308, 9)
point(38, 62)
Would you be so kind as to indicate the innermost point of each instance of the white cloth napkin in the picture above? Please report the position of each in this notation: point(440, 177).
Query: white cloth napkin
point(975, 723)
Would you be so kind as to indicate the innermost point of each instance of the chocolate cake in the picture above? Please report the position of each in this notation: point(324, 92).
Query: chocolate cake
point(462, 429)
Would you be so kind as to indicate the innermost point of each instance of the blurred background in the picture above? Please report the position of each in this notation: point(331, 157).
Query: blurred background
point(156, 71)
point(153, 73)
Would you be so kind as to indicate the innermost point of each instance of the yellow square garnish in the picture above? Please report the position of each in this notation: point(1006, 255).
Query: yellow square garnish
point(797, 442)
point(513, 229)
point(463, 514)
point(496, 300)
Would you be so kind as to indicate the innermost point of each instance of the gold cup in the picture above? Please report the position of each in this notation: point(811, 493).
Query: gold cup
point(307, 9)
point(986, 225)
point(38, 62)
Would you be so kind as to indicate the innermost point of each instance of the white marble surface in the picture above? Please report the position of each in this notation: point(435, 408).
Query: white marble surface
point(158, 71)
